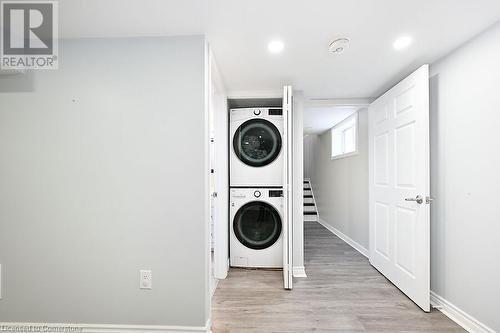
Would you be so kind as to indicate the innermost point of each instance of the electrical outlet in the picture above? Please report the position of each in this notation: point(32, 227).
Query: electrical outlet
point(146, 279)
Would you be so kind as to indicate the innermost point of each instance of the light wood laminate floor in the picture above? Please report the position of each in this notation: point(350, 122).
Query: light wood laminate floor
point(342, 293)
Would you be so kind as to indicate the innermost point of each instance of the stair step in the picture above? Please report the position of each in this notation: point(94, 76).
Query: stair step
point(310, 213)
point(307, 189)
point(308, 196)
point(311, 218)
point(308, 203)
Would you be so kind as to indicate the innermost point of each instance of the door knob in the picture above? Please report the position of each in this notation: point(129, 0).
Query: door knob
point(418, 199)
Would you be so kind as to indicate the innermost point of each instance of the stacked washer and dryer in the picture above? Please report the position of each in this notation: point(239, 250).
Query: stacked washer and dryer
point(256, 187)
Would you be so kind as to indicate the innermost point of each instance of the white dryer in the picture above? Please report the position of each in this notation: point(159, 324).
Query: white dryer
point(256, 227)
point(256, 157)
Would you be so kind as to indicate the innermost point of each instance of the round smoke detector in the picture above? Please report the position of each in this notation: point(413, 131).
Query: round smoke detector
point(339, 45)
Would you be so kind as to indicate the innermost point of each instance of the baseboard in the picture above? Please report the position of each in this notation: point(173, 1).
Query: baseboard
point(214, 286)
point(459, 316)
point(358, 247)
point(100, 328)
point(299, 272)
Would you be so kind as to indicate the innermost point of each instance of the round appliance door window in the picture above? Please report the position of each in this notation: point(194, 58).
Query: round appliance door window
point(257, 225)
point(257, 142)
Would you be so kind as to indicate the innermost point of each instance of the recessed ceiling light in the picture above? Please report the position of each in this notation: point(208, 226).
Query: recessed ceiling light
point(275, 46)
point(402, 43)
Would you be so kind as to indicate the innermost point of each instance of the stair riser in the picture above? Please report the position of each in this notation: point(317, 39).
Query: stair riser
point(310, 218)
point(308, 200)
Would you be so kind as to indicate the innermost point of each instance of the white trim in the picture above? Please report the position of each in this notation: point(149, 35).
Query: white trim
point(242, 94)
point(341, 127)
point(332, 102)
point(207, 175)
point(105, 328)
point(459, 316)
point(336, 157)
point(358, 247)
point(288, 190)
point(299, 272)
point(215, 283)
point(218, 104)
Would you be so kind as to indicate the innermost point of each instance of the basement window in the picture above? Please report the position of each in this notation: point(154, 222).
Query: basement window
point(345, 137)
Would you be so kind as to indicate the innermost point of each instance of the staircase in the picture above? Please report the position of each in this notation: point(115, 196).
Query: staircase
point(310, 211)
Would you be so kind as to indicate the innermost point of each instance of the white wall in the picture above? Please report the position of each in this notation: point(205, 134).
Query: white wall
point(341, 185)
point(465, 178)
point(103, 172)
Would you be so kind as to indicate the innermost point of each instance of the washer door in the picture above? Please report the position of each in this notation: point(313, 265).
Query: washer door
point(257, 142)
point(257, 225)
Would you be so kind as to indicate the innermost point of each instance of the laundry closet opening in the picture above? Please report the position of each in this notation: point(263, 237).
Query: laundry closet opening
point(252, 184)
point(256, 183)
point(256, 166)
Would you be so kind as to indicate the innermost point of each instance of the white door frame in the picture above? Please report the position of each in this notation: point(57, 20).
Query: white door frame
point(218, 103)
point(287, 228)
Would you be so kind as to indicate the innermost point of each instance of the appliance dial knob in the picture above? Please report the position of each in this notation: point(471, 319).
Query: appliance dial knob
point(256, 112)
point(257, 194)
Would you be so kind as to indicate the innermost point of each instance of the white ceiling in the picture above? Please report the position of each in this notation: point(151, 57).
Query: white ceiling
point(319, 119)
point(239, 30)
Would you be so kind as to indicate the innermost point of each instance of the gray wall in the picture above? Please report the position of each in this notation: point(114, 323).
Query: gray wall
point(102, 173)
point(465, 178)
point(341, 186)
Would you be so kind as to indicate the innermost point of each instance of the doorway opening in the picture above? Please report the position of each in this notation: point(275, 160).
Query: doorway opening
point(367, 176)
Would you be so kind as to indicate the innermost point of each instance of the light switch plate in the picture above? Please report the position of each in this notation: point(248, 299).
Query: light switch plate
point(146, 279)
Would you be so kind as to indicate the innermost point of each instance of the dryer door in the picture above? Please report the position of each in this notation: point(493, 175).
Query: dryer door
point(257, 225)
point(257, 142)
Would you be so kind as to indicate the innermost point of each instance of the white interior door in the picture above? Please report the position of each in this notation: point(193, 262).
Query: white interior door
point(399, 186)
point(287, 187)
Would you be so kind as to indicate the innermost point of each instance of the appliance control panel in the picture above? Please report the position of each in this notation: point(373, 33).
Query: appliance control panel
point(245, 113)
point(243, 194)
point(275, 193)
point(275, 112)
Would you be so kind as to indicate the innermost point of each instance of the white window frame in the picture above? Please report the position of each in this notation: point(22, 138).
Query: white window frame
point(342, 127)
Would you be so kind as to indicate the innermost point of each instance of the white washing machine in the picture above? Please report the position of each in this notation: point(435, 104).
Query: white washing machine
point(256, 227)
point(256, 157)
